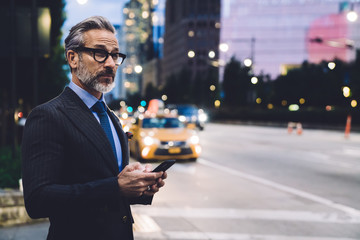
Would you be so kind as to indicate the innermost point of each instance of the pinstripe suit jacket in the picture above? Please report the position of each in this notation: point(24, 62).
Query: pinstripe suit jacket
point(70, 172)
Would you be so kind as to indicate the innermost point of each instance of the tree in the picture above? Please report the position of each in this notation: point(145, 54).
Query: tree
point(263, 89)
point(315, 83)
point(206, 87)
point(236, 83)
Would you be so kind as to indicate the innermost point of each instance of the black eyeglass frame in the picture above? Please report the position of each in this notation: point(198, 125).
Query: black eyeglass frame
point(97, 50)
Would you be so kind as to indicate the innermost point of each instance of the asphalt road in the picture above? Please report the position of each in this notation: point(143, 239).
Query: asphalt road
point(253, 183)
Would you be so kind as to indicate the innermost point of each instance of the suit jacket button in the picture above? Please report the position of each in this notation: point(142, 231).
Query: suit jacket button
point(124, 219)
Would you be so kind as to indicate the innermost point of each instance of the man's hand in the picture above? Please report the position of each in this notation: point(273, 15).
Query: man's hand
point(159, 182)
point(135, 181)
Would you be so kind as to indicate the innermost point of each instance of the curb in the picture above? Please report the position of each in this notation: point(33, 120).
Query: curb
point(12, 209)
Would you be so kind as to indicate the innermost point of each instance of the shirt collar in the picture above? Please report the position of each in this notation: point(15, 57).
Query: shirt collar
point(87, 98)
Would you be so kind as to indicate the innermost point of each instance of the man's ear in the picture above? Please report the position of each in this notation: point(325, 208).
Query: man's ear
point(72, 58)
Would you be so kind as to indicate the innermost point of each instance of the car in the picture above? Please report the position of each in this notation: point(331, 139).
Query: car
point(158, 137)
point(189, 113)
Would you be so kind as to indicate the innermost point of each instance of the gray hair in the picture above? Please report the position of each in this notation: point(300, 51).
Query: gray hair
point(75, 38)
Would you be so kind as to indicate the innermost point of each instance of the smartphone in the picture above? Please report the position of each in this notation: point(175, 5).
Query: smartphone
point(164, 166)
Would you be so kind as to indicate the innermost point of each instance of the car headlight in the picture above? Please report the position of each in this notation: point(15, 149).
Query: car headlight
point(203, 117)
point(148, 141)
point(182, 118)
point(194, 140)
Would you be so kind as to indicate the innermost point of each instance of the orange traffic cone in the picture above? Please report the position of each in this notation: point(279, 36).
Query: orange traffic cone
point(348, 126)
point(299, 129)
point(290, 127)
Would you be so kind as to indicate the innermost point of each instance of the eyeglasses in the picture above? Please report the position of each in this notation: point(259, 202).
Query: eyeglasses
point(101, 55)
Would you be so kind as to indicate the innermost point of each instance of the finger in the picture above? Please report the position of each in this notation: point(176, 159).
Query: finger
point(126, 169)
point(148, 168)
point(150, 183)
point(152, 176)
point(153, 188)
point(164, 176)
point(131, 167)
point(148, 193)
point(160, 183)
point(139, 167)
point(144, 189)
point(159, 174)
point(150, 190)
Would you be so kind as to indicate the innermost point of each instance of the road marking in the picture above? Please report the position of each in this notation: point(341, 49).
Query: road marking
point(236, 236)
point(253, 214)
point(145, 224)
point(324, 159)
point(349, 210)
point(352, 151)
point(227, 236)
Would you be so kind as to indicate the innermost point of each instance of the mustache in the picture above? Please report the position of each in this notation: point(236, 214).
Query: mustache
point(107, 71)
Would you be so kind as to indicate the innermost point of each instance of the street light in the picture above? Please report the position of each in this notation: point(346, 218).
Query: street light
point(191, 54)
point(248, 62)
point(346, 91)
point(138, 69)
point(127, 84)
point(224, 47)
point(331, 65)
point(352, 15)
point(353, 103)
point(254, 80)
point(211, 54)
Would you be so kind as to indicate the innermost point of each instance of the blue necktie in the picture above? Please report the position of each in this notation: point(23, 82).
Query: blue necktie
point(99, 108)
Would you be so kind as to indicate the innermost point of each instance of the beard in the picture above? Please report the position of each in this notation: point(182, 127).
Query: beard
point(91, 80)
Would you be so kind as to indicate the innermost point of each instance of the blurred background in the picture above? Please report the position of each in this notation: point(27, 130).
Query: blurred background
point(242, 60)
point(253, 62)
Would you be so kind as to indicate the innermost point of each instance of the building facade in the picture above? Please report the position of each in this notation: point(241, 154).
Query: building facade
point(333, 37)
point(152, 67)
point(274, 33)
point(192, 33)
point(143, 37)
point(137, 38)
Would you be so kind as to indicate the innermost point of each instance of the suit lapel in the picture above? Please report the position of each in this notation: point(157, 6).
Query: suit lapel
point(81, 116)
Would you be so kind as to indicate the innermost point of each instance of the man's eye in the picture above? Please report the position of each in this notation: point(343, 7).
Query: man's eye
point(100, 54)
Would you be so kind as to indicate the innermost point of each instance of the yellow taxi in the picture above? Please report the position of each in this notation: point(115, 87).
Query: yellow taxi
point(158, 137)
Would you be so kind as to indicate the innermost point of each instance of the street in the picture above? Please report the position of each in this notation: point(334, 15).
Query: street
point(253, 183)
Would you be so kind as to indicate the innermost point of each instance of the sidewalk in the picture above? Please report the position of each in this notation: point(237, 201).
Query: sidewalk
point(25, 231)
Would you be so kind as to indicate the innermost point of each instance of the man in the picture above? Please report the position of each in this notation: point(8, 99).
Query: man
point(75, 155)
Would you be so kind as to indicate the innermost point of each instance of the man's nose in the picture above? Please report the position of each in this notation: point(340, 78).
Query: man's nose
point(110, 62)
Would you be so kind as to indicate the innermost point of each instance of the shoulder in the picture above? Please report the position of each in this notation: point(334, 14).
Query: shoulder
point(50, 108)
point(59, 101)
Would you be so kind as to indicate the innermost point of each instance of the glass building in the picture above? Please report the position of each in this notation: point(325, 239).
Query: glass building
point(276, 34)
